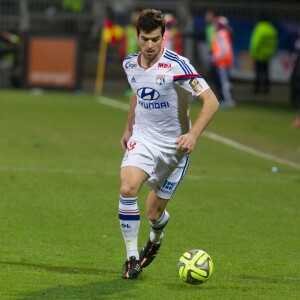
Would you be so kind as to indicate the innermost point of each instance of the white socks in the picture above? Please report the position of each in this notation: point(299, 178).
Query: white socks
point(158, 227)
point(129, 217)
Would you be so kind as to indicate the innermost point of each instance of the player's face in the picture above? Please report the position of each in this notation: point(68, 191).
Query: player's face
point(150, 44)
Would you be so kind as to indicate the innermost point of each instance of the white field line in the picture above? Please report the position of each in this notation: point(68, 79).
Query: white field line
point(113, 103)
point(212, 136)
point(249, 150)
point(38, 170)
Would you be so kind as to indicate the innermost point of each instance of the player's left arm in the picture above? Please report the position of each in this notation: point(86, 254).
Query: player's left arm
point(186, 142)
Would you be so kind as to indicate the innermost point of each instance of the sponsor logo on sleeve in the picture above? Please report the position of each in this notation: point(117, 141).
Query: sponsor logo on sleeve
point(195, 85)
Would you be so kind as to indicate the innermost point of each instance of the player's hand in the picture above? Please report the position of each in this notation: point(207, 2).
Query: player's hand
point(125, 138)
point(186, 142)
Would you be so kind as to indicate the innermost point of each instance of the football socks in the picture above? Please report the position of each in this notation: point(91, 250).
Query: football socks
point(158, 227)
point(129, 217)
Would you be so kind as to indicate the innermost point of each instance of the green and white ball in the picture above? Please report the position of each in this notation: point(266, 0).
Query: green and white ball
point(195, 267)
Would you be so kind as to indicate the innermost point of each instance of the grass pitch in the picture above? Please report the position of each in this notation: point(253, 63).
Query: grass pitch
point(59, 187)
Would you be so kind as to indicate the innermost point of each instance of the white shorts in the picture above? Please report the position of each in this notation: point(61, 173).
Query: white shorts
point(165, 170)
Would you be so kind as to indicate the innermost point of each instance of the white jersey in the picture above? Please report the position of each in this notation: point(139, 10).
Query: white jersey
point(161, 115)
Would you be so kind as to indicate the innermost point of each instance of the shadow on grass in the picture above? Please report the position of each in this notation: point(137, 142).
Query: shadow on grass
point(55, 269)
point(113, 289)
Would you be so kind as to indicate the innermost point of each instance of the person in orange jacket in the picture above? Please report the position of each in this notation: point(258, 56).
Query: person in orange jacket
point(222, 61)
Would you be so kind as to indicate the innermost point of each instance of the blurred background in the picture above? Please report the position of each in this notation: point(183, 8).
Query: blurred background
point(63, 108)
point(58, 44)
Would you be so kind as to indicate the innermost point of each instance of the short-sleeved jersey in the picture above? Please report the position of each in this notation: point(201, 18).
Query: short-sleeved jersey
point(161, 114)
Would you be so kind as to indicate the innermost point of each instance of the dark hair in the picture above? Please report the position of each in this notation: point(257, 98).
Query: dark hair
point(149, 20)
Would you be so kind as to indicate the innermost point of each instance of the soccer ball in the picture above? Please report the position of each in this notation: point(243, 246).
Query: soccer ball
point(195, 267)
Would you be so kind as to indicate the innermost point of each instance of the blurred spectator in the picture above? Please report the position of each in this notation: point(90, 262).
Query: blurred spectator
point(129, 42)
point(10, 52)
point(72, 6)
point(222, 61)
point(295, 81)
point(263, 44)
point(210, 27)
point(7, 43)
point(172, 37)
point(120, 10)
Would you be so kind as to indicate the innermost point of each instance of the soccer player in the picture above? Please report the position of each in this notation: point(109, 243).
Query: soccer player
point(158, 136)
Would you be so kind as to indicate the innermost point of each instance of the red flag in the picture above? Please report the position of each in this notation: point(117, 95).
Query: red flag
point(111, 32)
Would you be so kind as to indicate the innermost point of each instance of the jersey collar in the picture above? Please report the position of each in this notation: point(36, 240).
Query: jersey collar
point(140, 56)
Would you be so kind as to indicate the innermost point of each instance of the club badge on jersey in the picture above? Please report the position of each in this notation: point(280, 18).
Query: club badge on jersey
point(160, 79)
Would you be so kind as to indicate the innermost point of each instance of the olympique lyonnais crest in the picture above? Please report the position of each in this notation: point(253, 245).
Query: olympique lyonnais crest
point(160, 79)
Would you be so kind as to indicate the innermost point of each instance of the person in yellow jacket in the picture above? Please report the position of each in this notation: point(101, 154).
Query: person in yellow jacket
point(129, 42)
point(263, 44)
point(73, 5)
point(210, 28)
point(222, 61)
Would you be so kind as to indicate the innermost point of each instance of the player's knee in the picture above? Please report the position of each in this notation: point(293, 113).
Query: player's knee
point(128, 191)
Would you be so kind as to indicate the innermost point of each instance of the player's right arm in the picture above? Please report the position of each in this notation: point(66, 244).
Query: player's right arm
point(130, 121)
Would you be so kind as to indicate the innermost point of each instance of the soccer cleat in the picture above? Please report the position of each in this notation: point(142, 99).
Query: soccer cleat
point(148, 253)
point(132, 268)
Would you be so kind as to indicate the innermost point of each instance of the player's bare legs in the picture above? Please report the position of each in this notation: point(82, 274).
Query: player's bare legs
point(158, 218)
point(132, 179)
point(155, 206)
